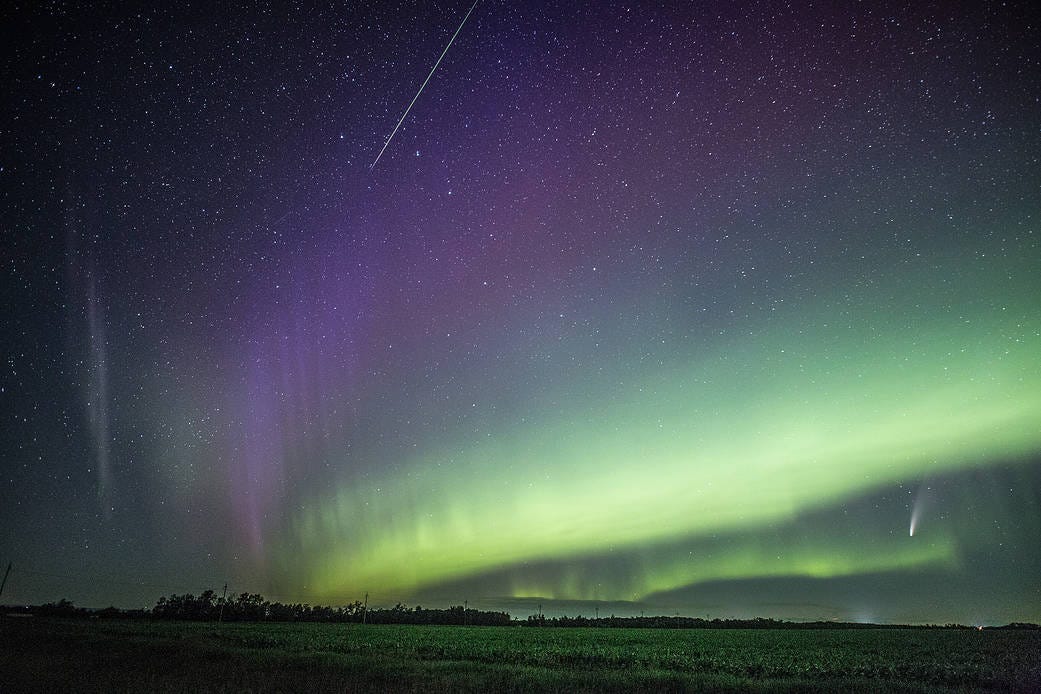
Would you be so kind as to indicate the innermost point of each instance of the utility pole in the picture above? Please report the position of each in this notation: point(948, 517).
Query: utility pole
point(365, 610)
point(4, 582)
point(223, 600)
point(466, 618)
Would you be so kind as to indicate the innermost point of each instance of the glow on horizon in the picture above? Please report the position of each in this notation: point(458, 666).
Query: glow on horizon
point(746, 558)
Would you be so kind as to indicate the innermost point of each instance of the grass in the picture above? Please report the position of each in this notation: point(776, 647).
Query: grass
point(112, 656)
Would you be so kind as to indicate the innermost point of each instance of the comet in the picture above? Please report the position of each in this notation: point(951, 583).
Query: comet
point(920, 502)
point(421, 87)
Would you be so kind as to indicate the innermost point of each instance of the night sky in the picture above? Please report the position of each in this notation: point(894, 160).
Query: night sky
point(723, 309)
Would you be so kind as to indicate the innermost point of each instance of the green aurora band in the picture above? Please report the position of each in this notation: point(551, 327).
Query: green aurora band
point(812, 413)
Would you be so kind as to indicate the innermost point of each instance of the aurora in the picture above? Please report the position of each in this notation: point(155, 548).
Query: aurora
point(733, 444)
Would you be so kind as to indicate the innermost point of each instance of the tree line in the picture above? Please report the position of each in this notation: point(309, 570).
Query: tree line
point(677, 622)
point(252, 607)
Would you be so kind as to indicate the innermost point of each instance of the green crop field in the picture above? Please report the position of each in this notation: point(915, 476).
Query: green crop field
point(99, 655)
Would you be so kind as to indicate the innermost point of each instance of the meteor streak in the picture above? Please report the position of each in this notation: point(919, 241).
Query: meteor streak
point(405, 114)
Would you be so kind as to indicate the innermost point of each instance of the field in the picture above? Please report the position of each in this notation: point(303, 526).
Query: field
point(99, 655)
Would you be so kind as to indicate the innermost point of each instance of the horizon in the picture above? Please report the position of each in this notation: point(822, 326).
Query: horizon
point(555, 612)
point(520, 608)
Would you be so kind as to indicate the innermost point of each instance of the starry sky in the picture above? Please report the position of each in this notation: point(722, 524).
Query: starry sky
point(724, 309)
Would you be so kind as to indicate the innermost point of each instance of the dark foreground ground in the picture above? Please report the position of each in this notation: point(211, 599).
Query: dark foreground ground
point(38, 655)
